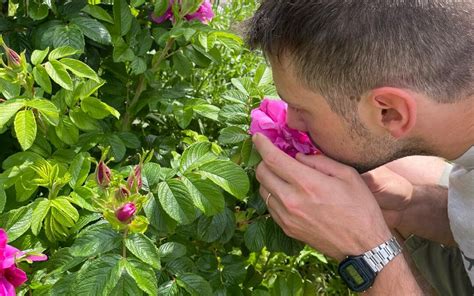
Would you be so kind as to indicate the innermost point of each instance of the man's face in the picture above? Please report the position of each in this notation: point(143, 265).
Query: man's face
point(347, 141)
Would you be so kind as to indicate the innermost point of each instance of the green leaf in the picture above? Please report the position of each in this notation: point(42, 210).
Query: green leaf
point(83, 121)
point(169, 288)
point(183, 115)
point(254, 237)
point(58, 73)
point(171, 250)
point(182, 64)
point(25, 128)
point(287, 284)
point(160, 7)
point(9, 89)
point(144, 249)
point(67, 213)
point(98, 109)
point(175, 200)
point(205, 195)
point(209, 229)
point(69, 35)
point(126, 286)
point(93, 29)
point(238, 84)
point(80, 69)
point(37, 11)
point(118, 148)
point(9, 109)
point(130, 140)
point(99, 277)
point(67, 131)
point(232, 135)
point(277, 241)
point(16, 222)
point(39, 213)
point(61, 52)
point(96, 240)
point(196, 155)
point(263, 75)
point(195, 284)
point(38, 56)
point(122, 16)
point(46, 108)
point(228, 176)
point(79, 169)
point(143, 275)
point(42, 79)
point(207, 110)
point(3, 198)
point(98, 12)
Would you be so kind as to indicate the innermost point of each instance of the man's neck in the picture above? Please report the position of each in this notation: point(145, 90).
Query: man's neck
point(450, 128)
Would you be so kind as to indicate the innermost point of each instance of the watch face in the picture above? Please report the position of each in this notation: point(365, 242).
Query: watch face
point(356, 273)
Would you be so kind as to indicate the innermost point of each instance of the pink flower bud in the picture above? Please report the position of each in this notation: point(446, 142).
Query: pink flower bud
point(103, 174)
point(134, 181)
point(122, 193)
point(13, 58)
point(126, 212)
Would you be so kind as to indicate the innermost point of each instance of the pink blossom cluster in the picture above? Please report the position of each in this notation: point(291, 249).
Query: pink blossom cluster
point(269, 119)
point(204, 14)
point(11, 276)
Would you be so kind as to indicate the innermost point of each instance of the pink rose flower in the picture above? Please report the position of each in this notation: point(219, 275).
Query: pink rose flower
point(204, 13)
point(10, 275)
point(126, 212)
point(270, 119)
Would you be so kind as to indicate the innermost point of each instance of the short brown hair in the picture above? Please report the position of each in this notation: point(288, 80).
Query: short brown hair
point(343, 48)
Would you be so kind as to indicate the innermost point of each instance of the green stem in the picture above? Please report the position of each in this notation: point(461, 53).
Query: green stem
point(141, 86)
point(124, 248)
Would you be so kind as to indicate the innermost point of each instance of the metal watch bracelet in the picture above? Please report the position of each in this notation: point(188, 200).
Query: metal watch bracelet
point(381, 255)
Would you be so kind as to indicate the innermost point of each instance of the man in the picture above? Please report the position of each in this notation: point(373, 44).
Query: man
point(372, 82)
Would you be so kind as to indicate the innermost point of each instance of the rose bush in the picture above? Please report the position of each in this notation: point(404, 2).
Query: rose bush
point(126, 156)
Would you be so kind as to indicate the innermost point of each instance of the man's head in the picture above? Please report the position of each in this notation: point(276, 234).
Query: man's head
point(362, 76)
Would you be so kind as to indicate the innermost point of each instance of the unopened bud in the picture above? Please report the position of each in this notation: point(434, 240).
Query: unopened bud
point(14, 58)
point(122, 193)
point(103, 174)
point(126, 212)
point(134, 181)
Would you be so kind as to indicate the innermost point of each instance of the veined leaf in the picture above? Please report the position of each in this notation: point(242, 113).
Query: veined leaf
point(80, 69)
point(46, 108)
point(67, 213)
point(98, 109)
point(58, 73)
point(37, 57)
point(39, 213)
point(196, 155)
point(144, 249)
point(205, 195)
point(79, 169)
point(93, 29)
point(176, 201)
point(143, 275)
point(61, 52)
point(9, 109)
point(227, 175)
point(42, 79)
point(194, 284)
point(95, 240)
point(99, 277)
point(25, 128)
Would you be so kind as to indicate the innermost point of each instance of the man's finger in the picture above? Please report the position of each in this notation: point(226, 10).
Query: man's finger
point(280, 163)
point(324, 164)
point(271, 181)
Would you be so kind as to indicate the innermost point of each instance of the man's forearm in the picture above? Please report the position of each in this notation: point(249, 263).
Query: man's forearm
point(395, 279)
point(427, 215)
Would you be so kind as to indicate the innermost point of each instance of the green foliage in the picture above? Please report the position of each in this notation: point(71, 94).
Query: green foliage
point(104, 92)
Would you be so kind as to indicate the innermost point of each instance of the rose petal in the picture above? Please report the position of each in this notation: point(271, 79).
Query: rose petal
point(15, 276)
point(6, 288)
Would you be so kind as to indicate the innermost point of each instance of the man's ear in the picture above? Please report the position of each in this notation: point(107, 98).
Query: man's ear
point(391, 109)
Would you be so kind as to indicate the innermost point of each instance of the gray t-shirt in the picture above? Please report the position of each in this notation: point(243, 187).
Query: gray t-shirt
point(461, 207)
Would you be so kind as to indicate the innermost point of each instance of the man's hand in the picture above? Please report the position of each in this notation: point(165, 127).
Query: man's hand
point(320, 201)
point(393, 194)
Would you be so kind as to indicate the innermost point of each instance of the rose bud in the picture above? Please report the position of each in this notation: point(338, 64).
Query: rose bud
point(13, 58)
point(126, 212)
point(122, 193)
point(103, 174)
point(134, 181)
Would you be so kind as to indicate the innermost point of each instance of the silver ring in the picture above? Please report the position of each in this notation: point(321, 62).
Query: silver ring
point(268, 197)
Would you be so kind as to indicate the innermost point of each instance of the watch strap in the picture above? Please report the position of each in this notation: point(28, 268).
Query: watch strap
point(381, 255)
